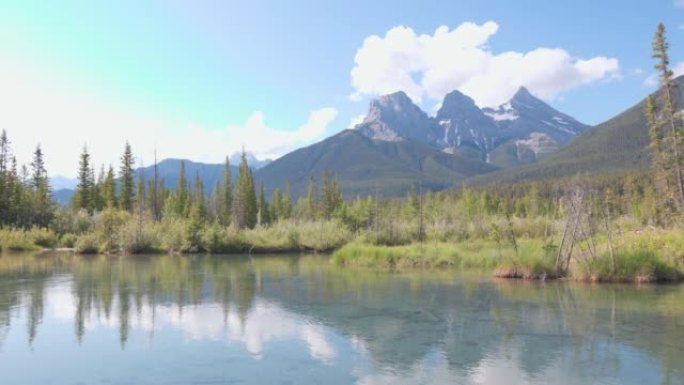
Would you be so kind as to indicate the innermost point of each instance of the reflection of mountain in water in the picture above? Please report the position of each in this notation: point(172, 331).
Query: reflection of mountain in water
point(470, 328)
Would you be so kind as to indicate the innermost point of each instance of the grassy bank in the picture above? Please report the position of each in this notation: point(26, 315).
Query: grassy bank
point(640, 257)
point(519, 248)
point(530, 261)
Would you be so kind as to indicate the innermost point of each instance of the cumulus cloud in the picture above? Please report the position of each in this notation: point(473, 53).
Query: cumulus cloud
point(62, 114)
point(266, 142)
point(430, 66)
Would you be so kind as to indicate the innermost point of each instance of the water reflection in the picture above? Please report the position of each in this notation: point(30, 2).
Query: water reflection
point(293, 317)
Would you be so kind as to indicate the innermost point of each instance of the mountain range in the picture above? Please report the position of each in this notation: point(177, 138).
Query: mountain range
point(398, 145)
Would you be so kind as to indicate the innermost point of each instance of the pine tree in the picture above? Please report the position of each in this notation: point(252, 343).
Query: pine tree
point(83, 195)
point(109, 189)
point(41, 190)
point(216, 201)
point(286, 205)
point(669, 111)
point(5, 155)
point(264, 211)
point(182, 194)
point(331, 197)
point(311, 201)
point(199, 202)
point(226, 195)
point(244, 199)
point(127, 182)
point(276, 205)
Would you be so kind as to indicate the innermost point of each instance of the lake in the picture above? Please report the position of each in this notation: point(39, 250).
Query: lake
point(67, 319)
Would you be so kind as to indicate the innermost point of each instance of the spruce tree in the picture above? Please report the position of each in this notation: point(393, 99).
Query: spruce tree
point(83, 194)
point(226, 195)
point(109, 189)
point(182, 194)
point(276, 205)
point(668, 111)
point(311, 201)
point(41, 190)
point(244, 199)
point(264, 211)
point(127, 182)
point(5, 155)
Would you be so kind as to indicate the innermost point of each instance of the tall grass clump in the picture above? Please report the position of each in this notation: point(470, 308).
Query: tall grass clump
point(426, 255)
point(639, 266)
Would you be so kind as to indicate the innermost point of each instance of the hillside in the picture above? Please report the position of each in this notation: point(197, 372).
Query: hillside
point(615, 146)
point(364, 165)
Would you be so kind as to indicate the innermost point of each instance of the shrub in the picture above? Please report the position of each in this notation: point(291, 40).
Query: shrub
point(88, 243)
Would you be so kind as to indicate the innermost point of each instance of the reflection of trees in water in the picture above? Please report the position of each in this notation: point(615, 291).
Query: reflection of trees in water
point(399, 319)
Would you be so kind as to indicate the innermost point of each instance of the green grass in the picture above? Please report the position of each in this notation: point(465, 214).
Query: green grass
point(639, 266)
point(468, 255)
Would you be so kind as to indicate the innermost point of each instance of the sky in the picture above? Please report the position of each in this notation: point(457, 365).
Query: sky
point(204, 79)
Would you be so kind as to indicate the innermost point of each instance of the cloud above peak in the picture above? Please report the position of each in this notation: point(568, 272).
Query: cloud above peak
point(429, 66)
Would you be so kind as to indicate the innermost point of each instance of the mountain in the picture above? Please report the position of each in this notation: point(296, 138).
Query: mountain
point(364, 165)
point(398, 144)
point(168, 172)
point(252, 161)
point(394, 117)
point(59, 182)
point(523, 130)
point(615, 146)
point(62, 196)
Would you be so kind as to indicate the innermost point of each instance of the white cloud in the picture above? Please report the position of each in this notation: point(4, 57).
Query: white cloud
point(433, 65)
point(266, 142)
point(39, 105)
point(679, 3)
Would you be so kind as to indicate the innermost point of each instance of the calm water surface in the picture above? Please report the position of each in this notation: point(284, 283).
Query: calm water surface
point(293, 320)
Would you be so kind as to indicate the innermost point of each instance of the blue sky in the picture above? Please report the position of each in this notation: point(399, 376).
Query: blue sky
point(202, 79)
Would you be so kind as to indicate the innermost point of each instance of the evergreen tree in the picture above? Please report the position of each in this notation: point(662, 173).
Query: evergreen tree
point(41, 190)
point(226, 195)
point(244, 199)
point(668, 112)
point(127, 183)
point(199, 202)
point(264, 211)
point(276, 205)
point(286, 205)
point(311, 201)
point(109, 189)
point(331, 197)
point(182, 194)
point(216, 201)
point(5, 156)
point(83, 195)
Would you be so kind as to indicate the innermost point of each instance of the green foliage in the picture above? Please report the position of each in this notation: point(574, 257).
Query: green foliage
point(22, 240)
point(126, 177)
point(83, 197)
point(244, 199)
point(638, 265)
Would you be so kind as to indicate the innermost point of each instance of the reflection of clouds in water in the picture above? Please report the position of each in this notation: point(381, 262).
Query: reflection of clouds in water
point(265, 322)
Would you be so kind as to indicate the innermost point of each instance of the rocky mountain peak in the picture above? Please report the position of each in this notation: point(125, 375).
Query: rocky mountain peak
point(457, 104)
